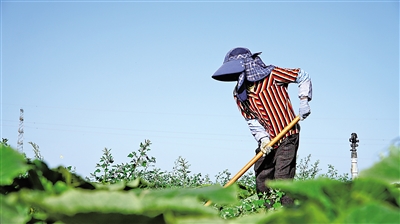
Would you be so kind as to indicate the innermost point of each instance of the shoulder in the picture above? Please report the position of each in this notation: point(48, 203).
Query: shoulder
point(286, 75)
point(286, 70)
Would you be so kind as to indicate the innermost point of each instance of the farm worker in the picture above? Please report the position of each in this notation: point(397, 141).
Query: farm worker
point(262, 98)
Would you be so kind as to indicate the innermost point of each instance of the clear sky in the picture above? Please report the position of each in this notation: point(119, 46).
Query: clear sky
point(96, 74)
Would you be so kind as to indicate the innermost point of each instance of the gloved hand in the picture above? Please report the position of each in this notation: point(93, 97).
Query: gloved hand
point(264, 146)
point(304, 109)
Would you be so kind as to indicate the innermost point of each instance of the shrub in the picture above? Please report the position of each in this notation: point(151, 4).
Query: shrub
point(31, 192)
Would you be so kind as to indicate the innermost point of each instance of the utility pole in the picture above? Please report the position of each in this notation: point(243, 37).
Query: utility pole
point(20, 143)
point(354, 170)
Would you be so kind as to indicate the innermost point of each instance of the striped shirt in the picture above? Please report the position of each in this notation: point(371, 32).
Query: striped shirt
point(269, 102)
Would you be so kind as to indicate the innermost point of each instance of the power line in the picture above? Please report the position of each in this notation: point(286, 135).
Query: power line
point(191, 114)
point(186, 133)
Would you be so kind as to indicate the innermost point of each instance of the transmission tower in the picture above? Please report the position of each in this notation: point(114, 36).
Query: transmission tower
point(20, 143)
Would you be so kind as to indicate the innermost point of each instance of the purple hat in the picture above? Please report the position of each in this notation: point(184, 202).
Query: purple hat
point(233, 65)
point(241, 65)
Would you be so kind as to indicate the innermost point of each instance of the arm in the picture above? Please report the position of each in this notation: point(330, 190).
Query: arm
point(257, 130)
point(305, 86)
point(261, 136)
point(284, 75)
point(297, 75)
point(305, 93)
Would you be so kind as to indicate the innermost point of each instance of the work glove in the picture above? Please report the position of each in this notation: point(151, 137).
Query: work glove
point(304, 109)
point(264, 146)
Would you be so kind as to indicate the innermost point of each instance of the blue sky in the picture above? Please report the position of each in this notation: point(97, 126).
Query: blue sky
point(92, 74)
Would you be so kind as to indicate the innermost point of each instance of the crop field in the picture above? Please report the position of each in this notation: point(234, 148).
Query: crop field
point(137, 192)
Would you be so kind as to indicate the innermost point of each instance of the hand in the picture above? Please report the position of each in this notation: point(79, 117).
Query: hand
point(304, 109)
point(264, 146)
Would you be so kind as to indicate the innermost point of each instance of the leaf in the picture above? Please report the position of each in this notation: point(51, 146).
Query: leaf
point(114, 218)
point(12, 212)
point(118, 186)
point(79, 206)
point(326, 192)
point(138, 183)
point(86, 206)
point(277, 205)
point(215, 193)
point(388, 169)
point(373, 213)
point(78, 200)
point(366, 190)
point(41, 170)
point(309, 213)
point(199, 220)
point(335, 201)
point(71, 179)
point(12, 164)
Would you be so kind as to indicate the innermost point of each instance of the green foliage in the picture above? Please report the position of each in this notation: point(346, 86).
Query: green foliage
point(181, 176)
point(304, 171)
point(57, 195)
point(388, 169)
point(108, 172)
point(333, 174)
point(104, 168)
point(372, 197)
point(249, 202)
point(12, 164)
point(136, 192)
point(142, 166)
point(223, 177)
point(36, 150)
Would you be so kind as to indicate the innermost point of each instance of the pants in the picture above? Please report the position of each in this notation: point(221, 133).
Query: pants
point(279, 164)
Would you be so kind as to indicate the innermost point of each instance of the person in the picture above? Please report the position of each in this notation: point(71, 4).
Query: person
point(263, 100)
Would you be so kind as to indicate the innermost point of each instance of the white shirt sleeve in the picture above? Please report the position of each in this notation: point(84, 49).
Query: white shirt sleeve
point(256, 129)
point(305, 85)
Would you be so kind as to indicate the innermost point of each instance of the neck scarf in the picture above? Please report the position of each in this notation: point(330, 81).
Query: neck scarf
point(255, 70)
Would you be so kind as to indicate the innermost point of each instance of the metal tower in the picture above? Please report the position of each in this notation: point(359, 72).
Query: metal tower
point(354, 170)
point(20, 143)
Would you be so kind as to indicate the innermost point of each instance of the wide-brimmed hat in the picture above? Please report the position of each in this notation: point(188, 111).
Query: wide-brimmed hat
point(233, 64)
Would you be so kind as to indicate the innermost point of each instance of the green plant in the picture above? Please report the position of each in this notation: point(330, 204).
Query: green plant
point(104, 168)
point(181, 172)
point(304, 171)
point(333, 174)
point(371, 198)
point(143, 166)
point(31, 192)
point(181, 176)
point(140, 161)
point(36, 150)
point(108, 172)
point(250, 202)
point(222, 177)
point(59, 196)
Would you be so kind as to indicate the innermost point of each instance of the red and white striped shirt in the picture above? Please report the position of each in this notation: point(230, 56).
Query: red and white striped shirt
point(268, 102)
